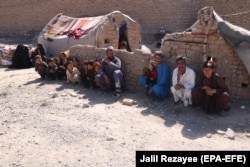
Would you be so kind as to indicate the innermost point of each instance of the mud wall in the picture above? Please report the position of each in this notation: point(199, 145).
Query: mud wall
point(152, 15)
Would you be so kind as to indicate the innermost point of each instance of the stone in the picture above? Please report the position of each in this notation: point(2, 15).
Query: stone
point(64, 94)
point(51, 93)
point(73, 94)
point(209, 135)
point(85, 106)
point(54, 95)
point(230, 133)
point(110, 139)
point(220, 132)
point(129, 102)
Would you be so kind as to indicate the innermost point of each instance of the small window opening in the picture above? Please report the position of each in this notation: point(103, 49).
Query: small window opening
point(244, 85)
point(106, 41)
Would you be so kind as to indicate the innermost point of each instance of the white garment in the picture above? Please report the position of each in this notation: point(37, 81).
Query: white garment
point(188, 81)
point(74, 76)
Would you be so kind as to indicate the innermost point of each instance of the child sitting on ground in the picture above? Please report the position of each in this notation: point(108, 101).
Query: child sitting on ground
point(97, 67)
point(90, 73)
point(73, 74)
point(151, 75)
point(40, 66)
point(61, 72)
point(51, 69)
point(84, 73)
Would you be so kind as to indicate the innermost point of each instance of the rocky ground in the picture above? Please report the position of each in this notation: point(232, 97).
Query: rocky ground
point(52, 123)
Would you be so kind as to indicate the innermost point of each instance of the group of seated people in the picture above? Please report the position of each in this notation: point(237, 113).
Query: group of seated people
point(208, 89)
point(105, 74)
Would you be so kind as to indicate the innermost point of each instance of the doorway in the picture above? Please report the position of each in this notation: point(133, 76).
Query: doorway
point(123, 37)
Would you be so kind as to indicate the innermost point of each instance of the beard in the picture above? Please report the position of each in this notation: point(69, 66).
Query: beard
point(111, 58)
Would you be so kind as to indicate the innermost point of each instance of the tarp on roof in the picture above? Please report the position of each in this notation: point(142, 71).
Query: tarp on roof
point(62, 32)
point(64, 25)
point(238, 37)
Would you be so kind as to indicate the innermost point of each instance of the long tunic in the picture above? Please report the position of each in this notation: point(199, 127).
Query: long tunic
point(211, 103)
point(187, 80)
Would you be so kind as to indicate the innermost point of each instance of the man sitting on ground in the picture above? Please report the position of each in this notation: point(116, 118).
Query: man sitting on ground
point(183, 80)
point(162, 86)
point(110, 76)
point(211, 91)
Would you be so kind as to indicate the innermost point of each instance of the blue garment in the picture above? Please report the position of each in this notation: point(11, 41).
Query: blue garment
point(162, 87)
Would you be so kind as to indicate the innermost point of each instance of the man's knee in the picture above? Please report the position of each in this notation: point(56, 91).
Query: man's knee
point(173, 90)
point(97, 77)
point(118, 73)
point(187, 94)
point(224, 98)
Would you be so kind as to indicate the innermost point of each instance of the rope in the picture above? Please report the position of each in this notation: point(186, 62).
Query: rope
point(236, 14)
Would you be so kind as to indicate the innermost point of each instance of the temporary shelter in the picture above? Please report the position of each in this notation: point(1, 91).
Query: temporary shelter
point(62, 32)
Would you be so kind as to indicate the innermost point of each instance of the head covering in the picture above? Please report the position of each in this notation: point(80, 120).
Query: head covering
point(38, 56)
point(65, 53)
point(180, 57)
point(213, 59)
point(208, 65)
point(110, 48)
point(159, 53)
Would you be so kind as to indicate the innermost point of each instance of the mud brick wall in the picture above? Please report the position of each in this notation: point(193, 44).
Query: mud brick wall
point(229, 65)
point(174, 16)
point(110, 32)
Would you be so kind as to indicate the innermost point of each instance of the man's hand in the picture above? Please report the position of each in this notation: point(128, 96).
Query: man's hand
point(62, 66)
point(179, 86)
point(209, 91)
point(205, 87)
point(106, 60)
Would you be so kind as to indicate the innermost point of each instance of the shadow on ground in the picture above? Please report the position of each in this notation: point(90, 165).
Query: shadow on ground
point(195, 122)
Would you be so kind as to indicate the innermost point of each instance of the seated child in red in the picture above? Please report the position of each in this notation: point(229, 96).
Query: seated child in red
point(151, 75)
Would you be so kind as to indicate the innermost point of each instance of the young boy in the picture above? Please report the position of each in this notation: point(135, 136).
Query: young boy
point(90, 73)
point(52, 69)
point(61, 72)
point(40, 66)
point(151, 75)
point(84, 73)
point(73, 74)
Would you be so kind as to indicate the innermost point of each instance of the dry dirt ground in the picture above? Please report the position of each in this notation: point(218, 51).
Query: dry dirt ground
point(54, 124)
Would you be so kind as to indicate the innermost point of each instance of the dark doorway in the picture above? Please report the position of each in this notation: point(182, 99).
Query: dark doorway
point(123, 37)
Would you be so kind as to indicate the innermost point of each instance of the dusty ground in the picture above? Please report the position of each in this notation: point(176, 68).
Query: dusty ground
point(53, 124)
